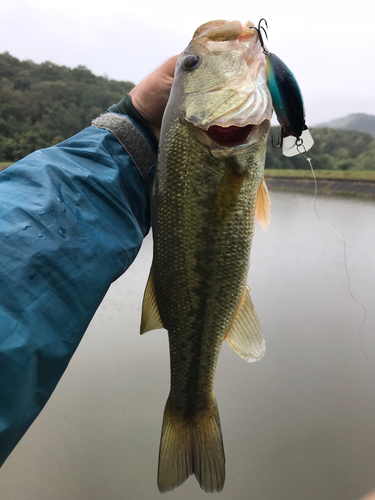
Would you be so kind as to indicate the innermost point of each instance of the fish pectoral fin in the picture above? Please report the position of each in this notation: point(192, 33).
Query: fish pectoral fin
point(245, 335)
point(150, 312)
point(263, 206)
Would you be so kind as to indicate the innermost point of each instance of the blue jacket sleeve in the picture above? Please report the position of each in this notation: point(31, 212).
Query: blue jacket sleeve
point(72, 220)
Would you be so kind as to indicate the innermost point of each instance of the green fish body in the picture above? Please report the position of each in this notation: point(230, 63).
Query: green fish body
point(208, 188)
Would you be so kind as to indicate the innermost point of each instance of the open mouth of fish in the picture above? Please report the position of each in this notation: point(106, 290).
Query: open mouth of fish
point(229, 136)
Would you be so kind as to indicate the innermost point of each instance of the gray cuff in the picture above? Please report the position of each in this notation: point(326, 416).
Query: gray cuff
point(131, 139)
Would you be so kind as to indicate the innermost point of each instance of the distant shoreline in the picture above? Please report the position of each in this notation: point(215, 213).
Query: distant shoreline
point(359, 189)
point(303, 182)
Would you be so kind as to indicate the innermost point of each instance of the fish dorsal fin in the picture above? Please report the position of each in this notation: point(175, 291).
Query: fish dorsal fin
point(245, 335)
point(263, 206)
point(150, 312)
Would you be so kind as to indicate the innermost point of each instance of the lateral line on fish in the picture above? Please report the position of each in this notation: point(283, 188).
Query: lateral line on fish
point(308, 159)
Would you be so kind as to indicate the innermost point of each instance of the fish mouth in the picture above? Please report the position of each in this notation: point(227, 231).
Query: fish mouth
point(230, 137)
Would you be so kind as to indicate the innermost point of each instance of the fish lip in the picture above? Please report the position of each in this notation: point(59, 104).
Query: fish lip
point(230, 137)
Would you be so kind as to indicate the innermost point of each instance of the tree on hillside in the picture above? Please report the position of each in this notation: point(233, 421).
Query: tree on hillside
point(42, 104)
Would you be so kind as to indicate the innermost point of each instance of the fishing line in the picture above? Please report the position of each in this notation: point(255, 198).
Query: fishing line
point(302, 151)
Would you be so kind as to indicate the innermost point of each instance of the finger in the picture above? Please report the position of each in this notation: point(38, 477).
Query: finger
point(169, 66)
point(370, 496)
point(150, 96)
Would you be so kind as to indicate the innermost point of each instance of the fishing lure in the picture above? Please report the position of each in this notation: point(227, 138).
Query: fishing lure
point(287, 102)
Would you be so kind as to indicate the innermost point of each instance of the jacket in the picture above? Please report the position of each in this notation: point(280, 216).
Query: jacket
point(72, 220)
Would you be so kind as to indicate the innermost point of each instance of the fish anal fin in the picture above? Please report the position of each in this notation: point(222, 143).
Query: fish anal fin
point(150, 312)
point(245, 335)
point(263, 206)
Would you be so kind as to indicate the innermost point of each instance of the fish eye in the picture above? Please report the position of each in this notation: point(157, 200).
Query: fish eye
point(191, 62)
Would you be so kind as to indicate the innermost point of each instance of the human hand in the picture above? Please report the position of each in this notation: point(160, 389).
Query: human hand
point(370, 496)
point(151, 95)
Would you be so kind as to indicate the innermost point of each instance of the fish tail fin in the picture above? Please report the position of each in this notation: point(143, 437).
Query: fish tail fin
point(208, 451)
point(191, 446)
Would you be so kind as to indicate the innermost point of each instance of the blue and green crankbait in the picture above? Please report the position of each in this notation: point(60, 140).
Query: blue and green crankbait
point(287, 102)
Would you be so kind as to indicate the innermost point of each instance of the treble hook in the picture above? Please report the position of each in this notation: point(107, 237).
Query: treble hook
point(260, 33)
point(280, 141)
point(259, 30)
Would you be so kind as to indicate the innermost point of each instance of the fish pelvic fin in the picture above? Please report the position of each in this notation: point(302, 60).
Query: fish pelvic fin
point(150, 312)
point(191, 445)
point(245, 335)
point(263, 206)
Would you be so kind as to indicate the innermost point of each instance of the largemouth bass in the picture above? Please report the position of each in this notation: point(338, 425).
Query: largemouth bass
point(208, 188)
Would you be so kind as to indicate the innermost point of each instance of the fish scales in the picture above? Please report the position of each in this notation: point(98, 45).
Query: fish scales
point(199, 278)
point(203, 214)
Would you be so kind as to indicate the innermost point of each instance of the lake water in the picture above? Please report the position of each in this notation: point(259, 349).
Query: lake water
point(299, 424)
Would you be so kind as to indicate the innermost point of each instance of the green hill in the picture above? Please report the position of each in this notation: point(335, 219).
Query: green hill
point(42, 104)
point(356, 121)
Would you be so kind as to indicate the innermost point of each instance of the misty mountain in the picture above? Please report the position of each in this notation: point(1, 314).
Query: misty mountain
point(357, 121)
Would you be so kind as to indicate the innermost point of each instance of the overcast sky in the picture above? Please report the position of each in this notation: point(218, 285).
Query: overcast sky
point(329, 45)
